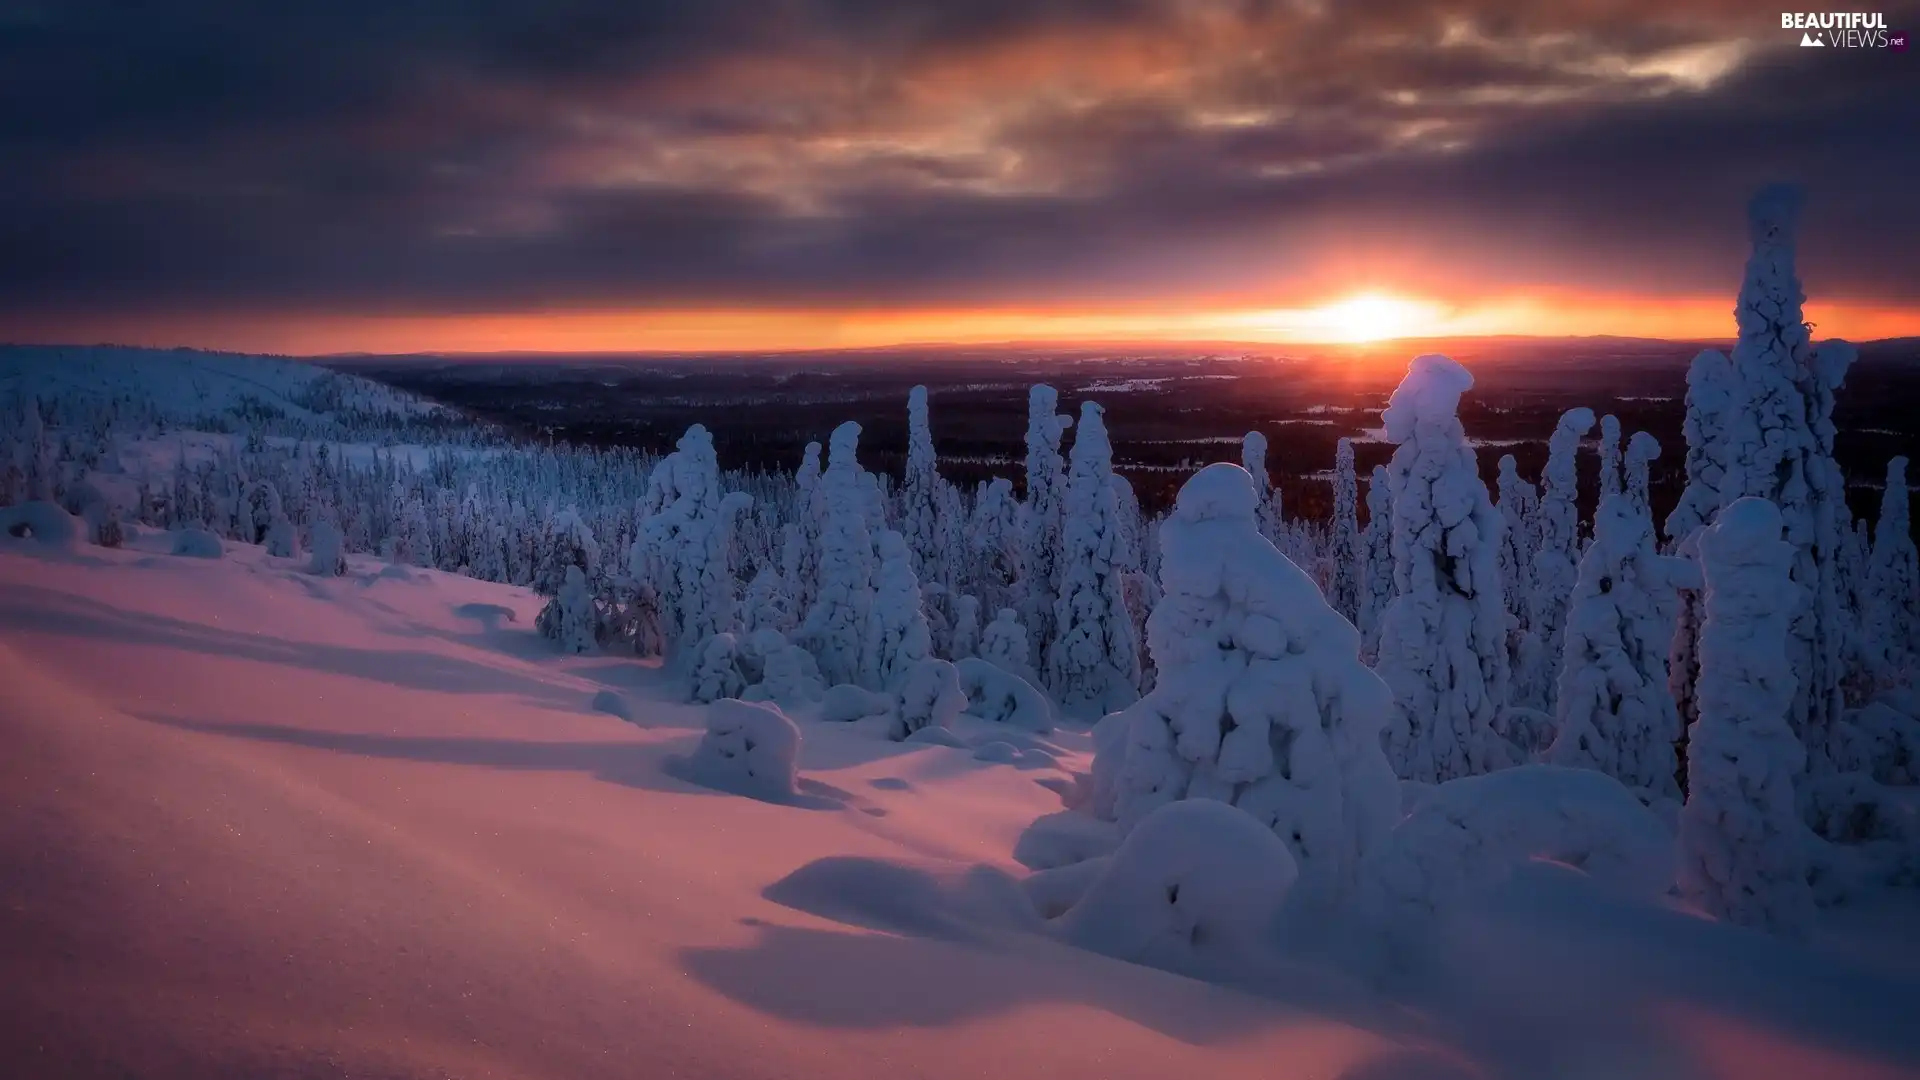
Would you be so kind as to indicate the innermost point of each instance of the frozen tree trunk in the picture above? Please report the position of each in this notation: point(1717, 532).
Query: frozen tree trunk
point(1348, 571)
point(1261, 700)
point(1614, 713)
point(1376, 553)
point(1742, 853)
point(1780, 448)
point(1555, 562)
point(1443, 644)
point(1040, 518)
point(1093, 663)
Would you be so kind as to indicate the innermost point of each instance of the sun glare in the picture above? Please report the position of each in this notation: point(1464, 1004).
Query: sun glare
point(1370, 316)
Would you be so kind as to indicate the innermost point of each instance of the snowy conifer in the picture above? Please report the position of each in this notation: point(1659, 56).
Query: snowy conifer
point(920, 491)
point(1610, 477)
point(1443, 648)
point(1347, 569)
point(897, 637)
point(1614, 713)
point(1742, 854)
point(966, 628)
point(994, 543)
point(1376, 560)
point(769, 603)
point(1892, 630)
point(569, 618)
point(328, 554)
point(1555, 561)
point(1261, 700)
point(1519, 506)
point(1004, 643)
point(1642, 451)
point(1253, 457)
point(836, 625)
point(1093, 663)
point(1713, 397)
point(1780, 448)
point(804, 544)
point(1040, 517)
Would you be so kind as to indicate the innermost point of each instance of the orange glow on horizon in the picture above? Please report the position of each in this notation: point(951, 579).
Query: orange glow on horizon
point(1367, 316)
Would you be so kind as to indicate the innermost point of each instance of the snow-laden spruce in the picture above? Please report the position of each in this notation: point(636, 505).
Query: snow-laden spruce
point(1556, 558)
point(920, 491)
point(1040, 518)
point(1093, 663)
point(802, 548)
point(928, 695)
point(1780, 448)
point(1713, 398)
point(1004, 644)
point(1261, 702)
point(1376, 562)
point(1518, 503)
point(897, 638)
point(1613, 711)
point(327, 552)
point(1443, 639)
point(569, 619)
point(1642, 451)
point(1347, 569)
point(836, 624)
point(685, 552)
point(994, 543)
point(1253, 458)
point(964, 641)
point(1742, 853)
point(1610, 478)
point(1892, 607)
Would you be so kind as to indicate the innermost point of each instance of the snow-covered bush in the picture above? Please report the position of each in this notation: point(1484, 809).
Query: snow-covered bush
point(717, 673)
point(1093, 662)
point(1261, 701)
point(1443, 639)
point(198, 544)
point(1613, 711)
point(328, 557)
point(1472, 833)
point(845, 703)
point(998, 695)
point(749, 748)
point(1742, 853)
point(48, 524)
point(1194, 888)
point(570, 618)
point(929, 696)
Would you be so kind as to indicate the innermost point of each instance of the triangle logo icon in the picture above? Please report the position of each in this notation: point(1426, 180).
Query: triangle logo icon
point(1808, 40)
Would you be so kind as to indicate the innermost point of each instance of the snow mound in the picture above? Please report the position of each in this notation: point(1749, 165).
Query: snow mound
point(613, 704)
point(999, 696)
point(750, 748)
point(1063, 839)
point(949, 904)
point(930, 697)
point(43, 523)
point(846, 703)
point(937, 736)
point(1195, 888)
point(1472, 833)
point(198, 544)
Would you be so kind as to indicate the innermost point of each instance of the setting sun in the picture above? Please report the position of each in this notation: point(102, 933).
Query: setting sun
point(1371, 316)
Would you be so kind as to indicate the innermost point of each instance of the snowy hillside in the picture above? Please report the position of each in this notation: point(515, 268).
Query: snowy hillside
point(184, 387)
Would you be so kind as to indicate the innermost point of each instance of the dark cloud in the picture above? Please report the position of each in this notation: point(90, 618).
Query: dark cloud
point(451, 155)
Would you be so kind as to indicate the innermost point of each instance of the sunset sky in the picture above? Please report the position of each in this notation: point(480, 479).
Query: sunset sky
point(481, 175)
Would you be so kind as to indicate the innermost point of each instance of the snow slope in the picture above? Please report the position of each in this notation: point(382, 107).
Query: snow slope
point(258, 823)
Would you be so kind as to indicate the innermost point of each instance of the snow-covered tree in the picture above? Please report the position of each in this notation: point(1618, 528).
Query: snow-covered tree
point(1555, 561)
point(1610, 478)
point(1253, 457)
point(1614, 713)
point(897, 637)
point(966, 628)
point(1261, 701)
point(569, 618)
point(920, 491)
point(836, 624)
point(566, 542)
point(1376, 561)
point(1093, 663)
point(1780, 448)
point(1040, 517)
point(1713, 398)
point(328, 554)
point(803, 547)
point(1004, 644)
point(1519, 506)
point(769, 604)
point(1892, 630)
point(1443, 648)
point(1347, 569)
point(994, 543)
point(1642, 451)
point(1743, 858)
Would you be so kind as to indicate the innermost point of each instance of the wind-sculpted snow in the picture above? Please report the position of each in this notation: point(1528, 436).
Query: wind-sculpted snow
point(1261, 701)
point(749, 748)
